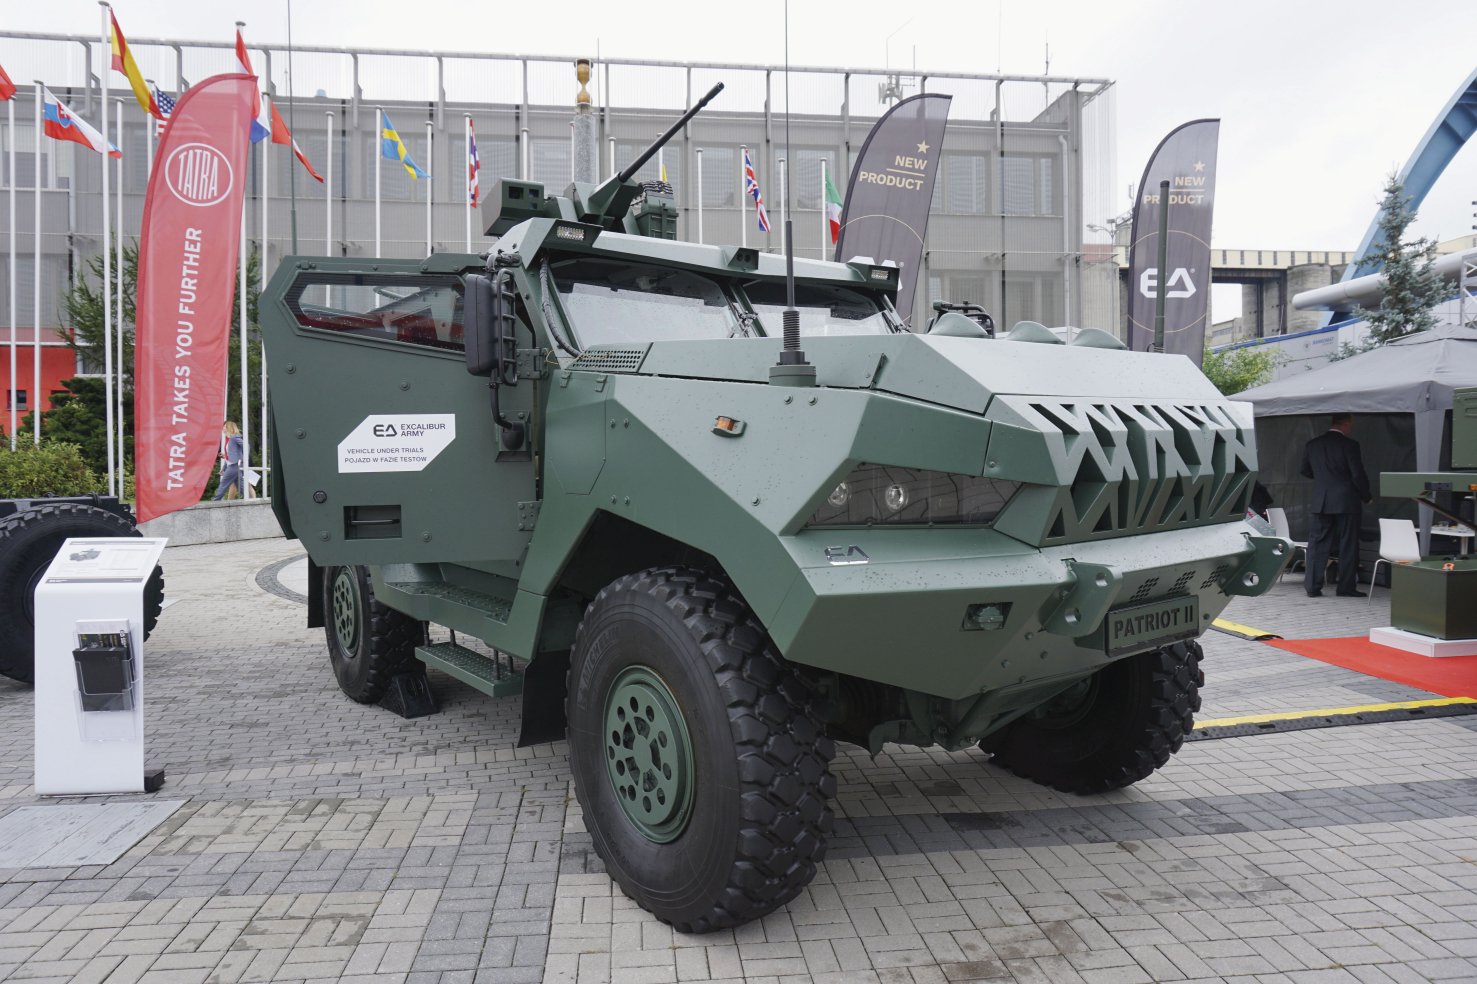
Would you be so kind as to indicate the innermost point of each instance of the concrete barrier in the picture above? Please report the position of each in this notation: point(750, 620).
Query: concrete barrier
point(216, 522)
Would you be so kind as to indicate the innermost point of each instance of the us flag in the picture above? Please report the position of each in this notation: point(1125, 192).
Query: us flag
point(751, 188)
point(165, 102)
point(474, 164)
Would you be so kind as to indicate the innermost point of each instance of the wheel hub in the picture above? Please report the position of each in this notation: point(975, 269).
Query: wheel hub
point(648, 754)
point(346, 611)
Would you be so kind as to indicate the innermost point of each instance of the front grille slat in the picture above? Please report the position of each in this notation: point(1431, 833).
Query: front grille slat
point(1137, 467)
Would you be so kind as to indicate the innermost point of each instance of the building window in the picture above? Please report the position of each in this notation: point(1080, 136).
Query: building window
point(549, 164)
point(805, 173)
point(1028, 185)
point(18, 399)
point(720, 177)
point(962, 186)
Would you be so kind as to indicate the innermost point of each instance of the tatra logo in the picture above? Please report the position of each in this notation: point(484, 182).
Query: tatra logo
point(384, 430)
point(1181, 284)
point(198, 174)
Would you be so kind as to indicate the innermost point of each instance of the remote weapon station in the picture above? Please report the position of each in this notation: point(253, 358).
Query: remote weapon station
point(707, 529)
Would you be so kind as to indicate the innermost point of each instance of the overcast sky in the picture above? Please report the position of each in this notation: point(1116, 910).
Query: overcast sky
point(1318, 102)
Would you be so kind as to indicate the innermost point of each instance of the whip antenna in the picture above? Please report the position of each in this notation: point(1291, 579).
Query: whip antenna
point(792, 369)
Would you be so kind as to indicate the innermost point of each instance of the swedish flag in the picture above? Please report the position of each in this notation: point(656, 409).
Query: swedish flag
point(392, 148)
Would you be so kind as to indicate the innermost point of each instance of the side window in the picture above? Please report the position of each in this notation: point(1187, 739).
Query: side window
point(418, 309)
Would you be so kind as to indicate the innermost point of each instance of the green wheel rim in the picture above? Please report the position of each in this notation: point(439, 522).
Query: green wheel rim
point(648, 754)
point(346, 611)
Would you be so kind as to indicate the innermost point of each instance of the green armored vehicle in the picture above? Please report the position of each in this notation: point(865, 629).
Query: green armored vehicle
point(704, 553)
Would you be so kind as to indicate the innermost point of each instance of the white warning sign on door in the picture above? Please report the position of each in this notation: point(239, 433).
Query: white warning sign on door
point(396, 442)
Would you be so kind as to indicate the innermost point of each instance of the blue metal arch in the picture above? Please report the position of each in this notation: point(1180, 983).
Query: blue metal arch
point(1451, 129)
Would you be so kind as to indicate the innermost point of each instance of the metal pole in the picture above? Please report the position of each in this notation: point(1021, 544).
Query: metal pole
point(743, 199)
point(523, 146)
point(1163, 277)
point(825, 210)
point(118, 236)
point(266, 198)
point(36, 278)
point(430, 182)
point(266, 252)
point(700, 194)
point(467, 201)
point(11, 263)
point(328, 192)
point(245, 408)
point(379, 125)
point(108, 417)
point(611, 143)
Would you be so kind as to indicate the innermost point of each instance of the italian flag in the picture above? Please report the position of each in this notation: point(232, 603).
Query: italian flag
point(833, 209)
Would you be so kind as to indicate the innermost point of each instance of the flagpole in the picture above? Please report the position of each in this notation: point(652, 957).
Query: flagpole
point(430, 182)
point(467, 199)
point(36, 277)
point(378, 157)
point(245, 409)
point(700, 195)
point(150, 125)
point(262, 280)
point(10, 142)
point(118, 239)
point(103, 70)
point(825, 209)
point(743, 200)
point(328, 192)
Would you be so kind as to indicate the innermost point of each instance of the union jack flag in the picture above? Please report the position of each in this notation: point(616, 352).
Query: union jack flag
point(751, 188)
point(474, 164)
point(165, 102)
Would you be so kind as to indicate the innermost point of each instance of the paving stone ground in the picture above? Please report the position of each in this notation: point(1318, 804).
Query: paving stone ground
point(322, 840)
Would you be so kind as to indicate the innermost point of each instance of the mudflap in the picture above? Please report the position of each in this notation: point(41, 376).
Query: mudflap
point(544, 680)
point(315, 595)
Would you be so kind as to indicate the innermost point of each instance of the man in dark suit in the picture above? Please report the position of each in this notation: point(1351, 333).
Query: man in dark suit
point(1340, 484)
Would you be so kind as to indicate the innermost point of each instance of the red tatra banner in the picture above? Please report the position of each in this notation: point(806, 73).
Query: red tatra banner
point(186, 278)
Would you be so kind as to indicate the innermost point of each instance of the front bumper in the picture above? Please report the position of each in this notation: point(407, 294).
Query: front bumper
point(903, 606)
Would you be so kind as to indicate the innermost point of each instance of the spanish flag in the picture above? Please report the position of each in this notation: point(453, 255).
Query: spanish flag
point(123, 62)
point(392, 148)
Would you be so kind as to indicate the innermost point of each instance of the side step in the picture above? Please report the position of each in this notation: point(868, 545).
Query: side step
point(490, 676)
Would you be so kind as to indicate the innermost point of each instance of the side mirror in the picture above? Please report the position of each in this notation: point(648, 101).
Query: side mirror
point(480, 325)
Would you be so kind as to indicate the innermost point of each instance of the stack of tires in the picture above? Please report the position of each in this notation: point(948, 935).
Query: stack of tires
point(31, 532)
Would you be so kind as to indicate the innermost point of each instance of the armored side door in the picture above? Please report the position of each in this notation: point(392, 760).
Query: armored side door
point(386, 443)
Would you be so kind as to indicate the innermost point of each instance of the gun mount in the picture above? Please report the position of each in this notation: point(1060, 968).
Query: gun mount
point(607, 204)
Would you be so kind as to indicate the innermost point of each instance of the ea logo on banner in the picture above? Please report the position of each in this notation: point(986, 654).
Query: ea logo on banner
point(198, 174)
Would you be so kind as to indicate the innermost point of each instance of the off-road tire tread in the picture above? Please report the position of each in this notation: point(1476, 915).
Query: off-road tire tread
point(17, 660)
point(390, 640)
point(1175, 681)
point(777, 720)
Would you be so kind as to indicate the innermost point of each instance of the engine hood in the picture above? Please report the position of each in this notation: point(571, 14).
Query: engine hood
point(962, 373)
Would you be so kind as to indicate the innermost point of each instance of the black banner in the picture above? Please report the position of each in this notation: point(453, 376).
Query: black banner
point(887, 200)
point(1186, 159)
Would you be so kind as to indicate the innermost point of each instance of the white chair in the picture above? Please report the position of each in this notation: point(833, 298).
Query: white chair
point(1277, 516)
point(1398, 545)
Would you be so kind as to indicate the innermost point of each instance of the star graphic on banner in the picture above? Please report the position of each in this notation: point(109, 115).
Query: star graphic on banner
point(923, 148)
point(1199, 165)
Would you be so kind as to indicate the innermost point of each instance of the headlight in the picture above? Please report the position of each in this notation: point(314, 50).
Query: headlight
point(898, 496)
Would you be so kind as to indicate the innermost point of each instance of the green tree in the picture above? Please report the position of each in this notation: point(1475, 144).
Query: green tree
point(1234, 370)
point(1412, 287)
point(83, 304)
point(78, 417)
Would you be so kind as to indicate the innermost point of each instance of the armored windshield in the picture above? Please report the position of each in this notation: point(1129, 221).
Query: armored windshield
point(612, 303)
point(823, 310)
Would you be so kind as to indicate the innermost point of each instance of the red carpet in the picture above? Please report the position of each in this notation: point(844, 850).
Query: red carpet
point(1450, 676)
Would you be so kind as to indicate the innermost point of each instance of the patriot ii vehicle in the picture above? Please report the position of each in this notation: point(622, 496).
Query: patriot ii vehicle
point(710, 554)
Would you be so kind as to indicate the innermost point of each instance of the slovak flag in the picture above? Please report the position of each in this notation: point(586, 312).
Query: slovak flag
point(60, 123)
point(474, 164)
point(261, 123)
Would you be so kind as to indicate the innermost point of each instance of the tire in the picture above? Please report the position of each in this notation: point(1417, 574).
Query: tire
point(29, 541)
point(1124, 722)
point(754, 778)
point(368, 642)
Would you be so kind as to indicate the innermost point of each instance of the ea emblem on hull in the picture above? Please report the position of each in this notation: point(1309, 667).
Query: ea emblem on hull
point(845, 556)
point(198, 174)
